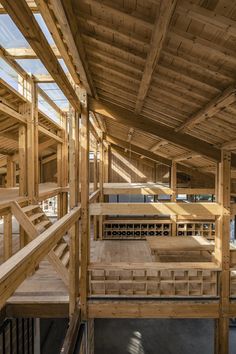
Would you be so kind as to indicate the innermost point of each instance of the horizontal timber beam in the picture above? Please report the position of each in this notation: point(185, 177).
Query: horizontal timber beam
point(50, 134)
point(217, 104)
point(142, 123)
point(150, 189)
point(12, 113)
point(184, 209)
point(152, 309)
point(27, 53)
point(24, 19)
point(126, 145)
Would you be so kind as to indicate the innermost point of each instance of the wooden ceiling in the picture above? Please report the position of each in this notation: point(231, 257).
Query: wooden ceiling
point(183, 78)
point(171, 61)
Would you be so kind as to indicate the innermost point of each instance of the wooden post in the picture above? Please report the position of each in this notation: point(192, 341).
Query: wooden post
point(74, 231)
point(11, 173)
point(30, 111)
point(101, 180)
point(95, 187)
point(62, 170)
point(85, 233)
point(222, 254)
point(173, 186)
point(22, 161)
point(7, 219)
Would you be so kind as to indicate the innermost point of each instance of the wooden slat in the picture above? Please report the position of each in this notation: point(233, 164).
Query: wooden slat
point(185, 209)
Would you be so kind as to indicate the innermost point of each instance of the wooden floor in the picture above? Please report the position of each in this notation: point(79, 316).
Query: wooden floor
point(46, 287)
point(8, 195)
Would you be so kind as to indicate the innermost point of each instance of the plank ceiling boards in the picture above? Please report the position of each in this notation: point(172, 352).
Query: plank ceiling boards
point(196, 63)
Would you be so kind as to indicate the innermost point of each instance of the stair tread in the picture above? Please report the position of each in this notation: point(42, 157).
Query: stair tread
point(31, 207)
point(36, 216)
point(40, 226)
point(65, 259)
point(60, 248)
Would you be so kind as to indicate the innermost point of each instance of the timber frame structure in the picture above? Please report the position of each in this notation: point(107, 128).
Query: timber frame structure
point(145, 148)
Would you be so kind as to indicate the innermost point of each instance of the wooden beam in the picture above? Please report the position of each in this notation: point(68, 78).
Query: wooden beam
point(46, 144)
point(142, 123)
point(150, 155)
point(206, 16)
point(50, 134)
point(222, 253)
point(48, 99)
point(22, 16)
point(22, 161)
point(152, 309)
point(217, 104)
point(57, 35)
point(12, 113)
point(27, 53)
point(74, 194)
point(7, 220)
point(185, 156)
point(85, 222)
point(119, 12)
point(158, 145)
point(163, 17)
point(14, 271)
point(184, 209)
point(64, 11)
point(229, 145)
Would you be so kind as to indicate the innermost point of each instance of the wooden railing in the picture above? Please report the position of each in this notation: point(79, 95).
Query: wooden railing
point(94, 196)
point(233, 272)
point(153, 280)
point(23, 263)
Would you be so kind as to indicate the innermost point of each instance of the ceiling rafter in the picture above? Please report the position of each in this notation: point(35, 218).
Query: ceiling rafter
point(140, 151)
point(162, 21)
point(23, 16)
point(119, 11)
point(159, 145)
point(28, 53)
point(217, 104)
point(142, 123)
point(206, 16)
point(63, 11)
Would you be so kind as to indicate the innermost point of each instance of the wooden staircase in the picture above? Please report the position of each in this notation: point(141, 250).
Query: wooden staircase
point(34, 221)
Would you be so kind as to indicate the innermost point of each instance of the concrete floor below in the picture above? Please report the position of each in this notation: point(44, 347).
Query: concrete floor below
point(157, 336)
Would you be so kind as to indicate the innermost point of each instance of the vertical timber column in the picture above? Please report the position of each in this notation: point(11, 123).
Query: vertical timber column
point(101, 181)
point(62, 170)
point(7, 219)
point(85, 232)
point(22, 161)
point(74, 231)
point(173, 185)
point(31, 113)
point(11, 172)
point(222, 254)
point(95, 187)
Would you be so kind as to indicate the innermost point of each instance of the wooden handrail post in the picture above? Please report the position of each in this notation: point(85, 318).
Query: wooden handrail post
point(74, 231)
point(85, 232)
point(7, 219)
point(222, 253)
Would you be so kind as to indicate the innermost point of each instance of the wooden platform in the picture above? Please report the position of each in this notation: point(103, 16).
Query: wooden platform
point(7, 195)
point(180, 243)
